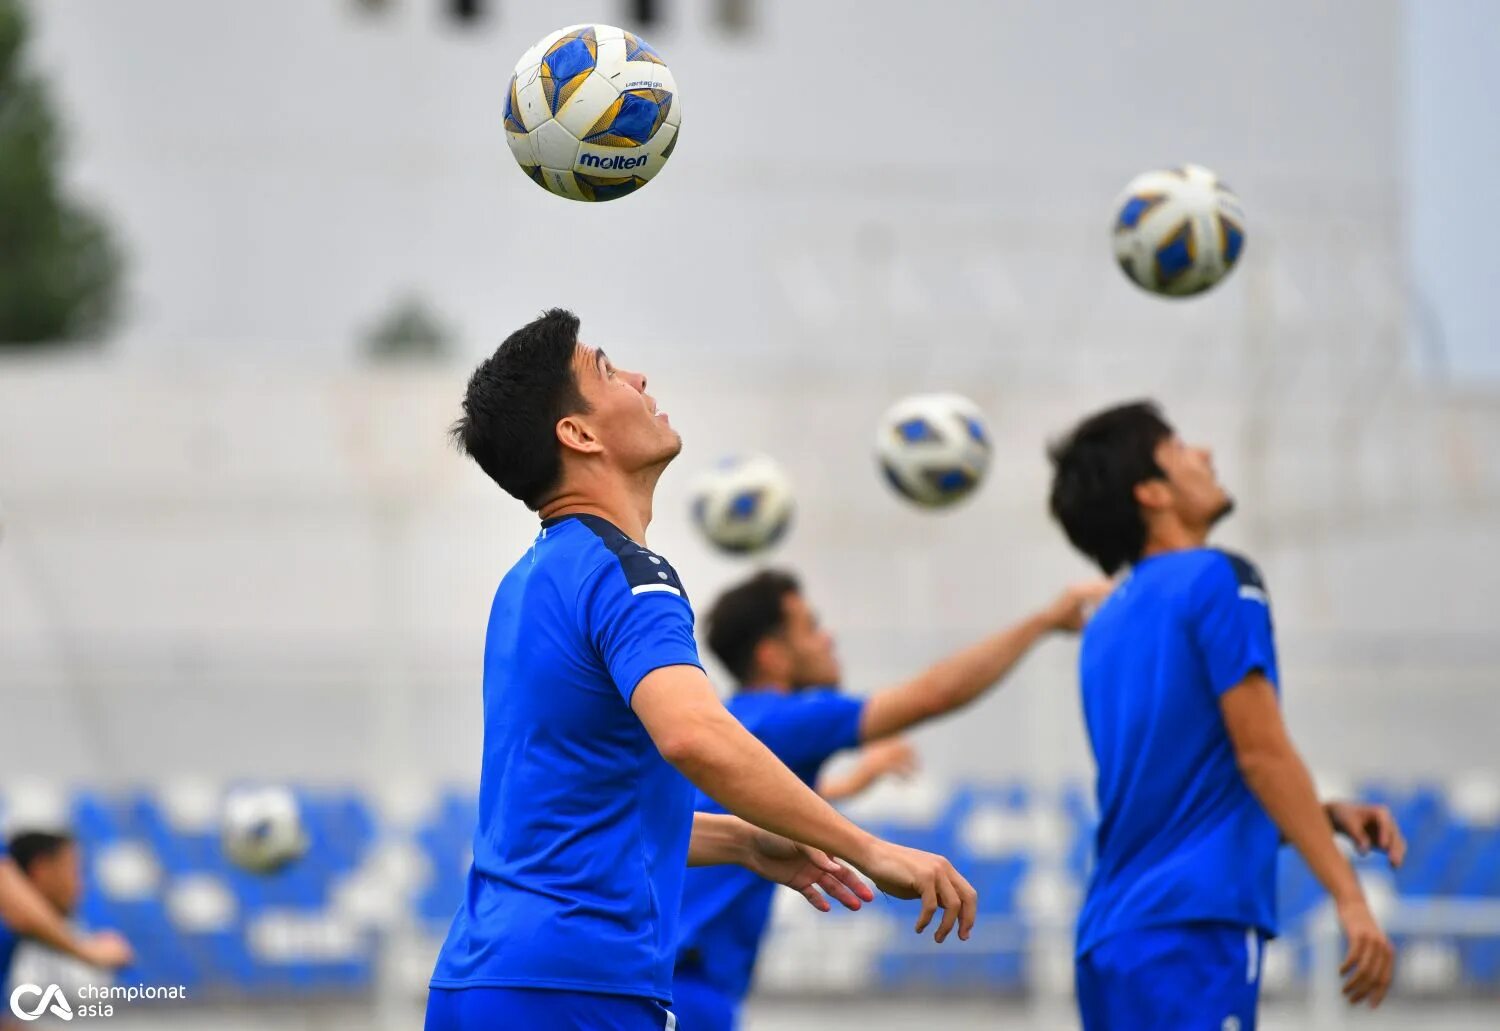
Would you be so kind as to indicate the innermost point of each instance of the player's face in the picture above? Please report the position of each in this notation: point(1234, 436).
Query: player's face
point(1197, 496)
point(814, 661)
point(625, 418)
point(59, 878)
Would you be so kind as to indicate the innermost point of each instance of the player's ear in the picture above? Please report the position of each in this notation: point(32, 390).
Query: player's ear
point(1153, 493)
point(770, 657)
point(575, 434)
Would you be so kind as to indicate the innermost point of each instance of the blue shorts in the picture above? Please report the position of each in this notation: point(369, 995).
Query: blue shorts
point(701, 1006)
point(487, 1009)
point(1185, 977)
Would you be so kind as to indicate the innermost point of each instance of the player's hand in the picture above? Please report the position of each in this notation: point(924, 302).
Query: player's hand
point(1072, 609)
point(908, 873)
point(1371, 959)
point(106, 949)
point(892, 756)
point(805, 869)
point(1368, 826)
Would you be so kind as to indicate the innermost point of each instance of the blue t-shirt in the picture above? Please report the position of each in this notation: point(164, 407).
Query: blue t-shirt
point(583, 827)
point(1181, 838)
point(725, 908)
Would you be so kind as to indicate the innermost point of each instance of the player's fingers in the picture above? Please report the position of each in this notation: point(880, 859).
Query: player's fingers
point(1383, 980)
point(1351, 959)
point(1396, 850)
point(948, 896)
point(1365, 973)
point(838, 890)
point(1360, 835)
point(822, 860)
point(851, 879)
point(968, 905)
point(816, 899)
point(929, 905)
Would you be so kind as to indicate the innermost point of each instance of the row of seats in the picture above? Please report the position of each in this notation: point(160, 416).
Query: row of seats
point(155, 870)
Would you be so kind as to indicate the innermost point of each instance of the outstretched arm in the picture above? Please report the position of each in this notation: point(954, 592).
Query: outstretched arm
point(28, 914)
point(959, 679)
point(695, 733)
point(1277, 777)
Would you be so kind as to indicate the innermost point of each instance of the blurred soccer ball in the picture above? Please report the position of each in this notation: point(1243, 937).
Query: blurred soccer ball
point(592, 113)
point(1178, 232)
point(743, 504)
point(263, 829)
point(934, 448)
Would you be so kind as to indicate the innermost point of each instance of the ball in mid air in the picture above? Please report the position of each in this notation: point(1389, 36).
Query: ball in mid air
point(263, 830)
point(1178, 232)
point(592, 113)
point(743, 504)
point(934, 448)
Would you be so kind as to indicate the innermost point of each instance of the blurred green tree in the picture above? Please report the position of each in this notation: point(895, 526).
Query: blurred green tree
point(60, 269)
point(409, 331)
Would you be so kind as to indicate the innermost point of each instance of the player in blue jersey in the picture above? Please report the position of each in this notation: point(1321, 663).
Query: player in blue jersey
point(40, 883)
point(599, 720)
point(768, 636)
point(1198, 780)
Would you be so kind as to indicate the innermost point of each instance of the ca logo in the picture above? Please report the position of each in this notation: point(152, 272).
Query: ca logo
point(53, 996)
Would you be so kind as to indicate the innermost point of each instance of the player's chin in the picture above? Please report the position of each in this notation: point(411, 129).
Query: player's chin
point(1224, 510)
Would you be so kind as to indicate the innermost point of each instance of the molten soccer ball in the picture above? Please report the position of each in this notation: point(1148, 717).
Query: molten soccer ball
point(592, 113)
point(934, 448)
point(743, 504)
point(1178, 232)
point(262, 829)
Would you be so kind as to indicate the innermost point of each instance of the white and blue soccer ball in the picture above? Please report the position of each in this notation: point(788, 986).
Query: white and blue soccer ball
point(743, 504)
point(592, 113)
point(934, 448)
point(263, 829)
point(1178, 232)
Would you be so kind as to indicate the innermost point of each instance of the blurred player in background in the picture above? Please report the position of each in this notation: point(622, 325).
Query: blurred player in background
point(1198, 780)
point(768, 636)
point(594, 703)
point(41, 882)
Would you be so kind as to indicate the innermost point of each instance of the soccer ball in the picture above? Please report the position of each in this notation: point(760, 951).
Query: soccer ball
point(743, 504)
point(934, 448)
point(1178, 232)
point(262, 829)
point(592, 113)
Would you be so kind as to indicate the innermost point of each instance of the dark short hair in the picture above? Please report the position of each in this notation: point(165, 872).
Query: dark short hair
point(1095, 470)
point(746, 615)
point(29, 846)
point(513, 403)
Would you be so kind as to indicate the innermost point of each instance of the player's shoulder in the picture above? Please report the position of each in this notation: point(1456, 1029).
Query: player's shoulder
point(604, 548)
point(1220, 570)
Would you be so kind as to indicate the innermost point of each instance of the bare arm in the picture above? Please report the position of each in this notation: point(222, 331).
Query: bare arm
point(719, 839)
point(696, 734)
point(28, 914)
point(1277, 777)
point(959, 679)
point(888, 756)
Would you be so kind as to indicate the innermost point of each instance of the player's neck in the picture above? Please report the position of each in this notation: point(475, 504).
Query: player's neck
point(1165, 537)
point(767, 685)
point(625, 502)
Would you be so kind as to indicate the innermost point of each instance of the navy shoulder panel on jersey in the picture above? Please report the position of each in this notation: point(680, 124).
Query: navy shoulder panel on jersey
point(1245, 572)
point(644, 569)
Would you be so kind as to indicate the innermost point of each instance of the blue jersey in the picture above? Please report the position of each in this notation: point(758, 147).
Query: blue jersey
point(583, 827)
point(8, 942)
point(1181, 839)
point(725, 908)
